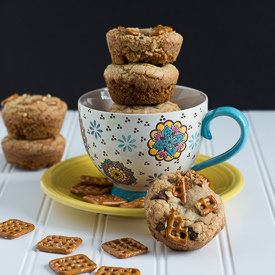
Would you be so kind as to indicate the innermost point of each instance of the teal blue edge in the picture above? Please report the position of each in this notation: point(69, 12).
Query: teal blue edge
point(240, 118)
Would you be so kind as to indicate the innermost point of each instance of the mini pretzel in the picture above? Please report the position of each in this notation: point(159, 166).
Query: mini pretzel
point(96, 181)
point(179, 191)
point(105, 199)
point(175, 232)
point(83, 189)
point(59, 244)
point(72, 265)
point(14, 228)
point(124, 248)
point(110, 270)
point(137, 203)
point(206, 205)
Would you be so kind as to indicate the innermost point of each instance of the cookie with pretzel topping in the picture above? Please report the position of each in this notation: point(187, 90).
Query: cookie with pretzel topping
point(182, 211)
point(33, 116)
point(159, 45)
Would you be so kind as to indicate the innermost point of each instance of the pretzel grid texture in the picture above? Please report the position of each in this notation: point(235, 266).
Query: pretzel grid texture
point(179, 191)
point(175, 232)
point(206, 205)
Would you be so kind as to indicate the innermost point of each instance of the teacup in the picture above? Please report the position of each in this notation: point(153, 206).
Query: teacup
point(133, 150)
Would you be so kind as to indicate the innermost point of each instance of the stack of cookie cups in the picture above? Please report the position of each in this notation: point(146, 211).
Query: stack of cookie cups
point(141, 72)
point(33, 123)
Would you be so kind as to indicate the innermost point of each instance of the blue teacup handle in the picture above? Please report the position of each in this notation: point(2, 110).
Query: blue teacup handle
point(205, 132)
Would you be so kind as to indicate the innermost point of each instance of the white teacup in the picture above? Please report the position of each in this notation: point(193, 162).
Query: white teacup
point(135, 149)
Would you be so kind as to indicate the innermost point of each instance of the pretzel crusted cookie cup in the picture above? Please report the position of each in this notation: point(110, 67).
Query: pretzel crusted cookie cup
point(158, 46)
point(183, 212)
point(33, 154)
point(33, 116)
point(141, 84)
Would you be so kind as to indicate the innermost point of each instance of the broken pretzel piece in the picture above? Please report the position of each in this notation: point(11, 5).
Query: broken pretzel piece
point(198, 178)
point(206, 205)
point(174, 231)
point(179, 191)
point(8, 99)
point(137, 203)
point(105, 199)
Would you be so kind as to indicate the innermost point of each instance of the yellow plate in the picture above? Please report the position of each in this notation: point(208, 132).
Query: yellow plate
point(226, 180)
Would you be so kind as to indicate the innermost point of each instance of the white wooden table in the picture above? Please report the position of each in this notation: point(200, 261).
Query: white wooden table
point(245, 246)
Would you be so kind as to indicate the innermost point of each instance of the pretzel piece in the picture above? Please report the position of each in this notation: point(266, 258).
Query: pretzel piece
point(124, 248)
point(179, 191)
point(72, 265)
point(105, 199)
point(174, 231)
point(199, 179)
point(206, 205)
point(8, 99)
point(95, 181)
point(137, 203)
point(83, 189)
point(59, 244)
point(14, 228)
point(110, 270)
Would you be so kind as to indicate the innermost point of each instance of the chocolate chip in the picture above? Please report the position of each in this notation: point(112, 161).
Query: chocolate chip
point(160, 196)
point(192, 234)
point(160, 226)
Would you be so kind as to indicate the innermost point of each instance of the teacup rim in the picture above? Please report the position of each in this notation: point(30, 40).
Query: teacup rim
point(80, 99)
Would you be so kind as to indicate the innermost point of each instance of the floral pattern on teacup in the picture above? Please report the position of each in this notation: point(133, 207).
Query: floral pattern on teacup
point(116, 171)
point(168, 140)
point(83, 134)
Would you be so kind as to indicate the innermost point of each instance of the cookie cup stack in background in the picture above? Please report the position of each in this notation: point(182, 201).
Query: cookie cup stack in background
point(141, 73)
point(33, 123)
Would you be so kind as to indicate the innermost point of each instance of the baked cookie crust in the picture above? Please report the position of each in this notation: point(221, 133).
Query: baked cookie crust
point(158, 46)
point(34, 116)
point(33, 154)
point(141, 84)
